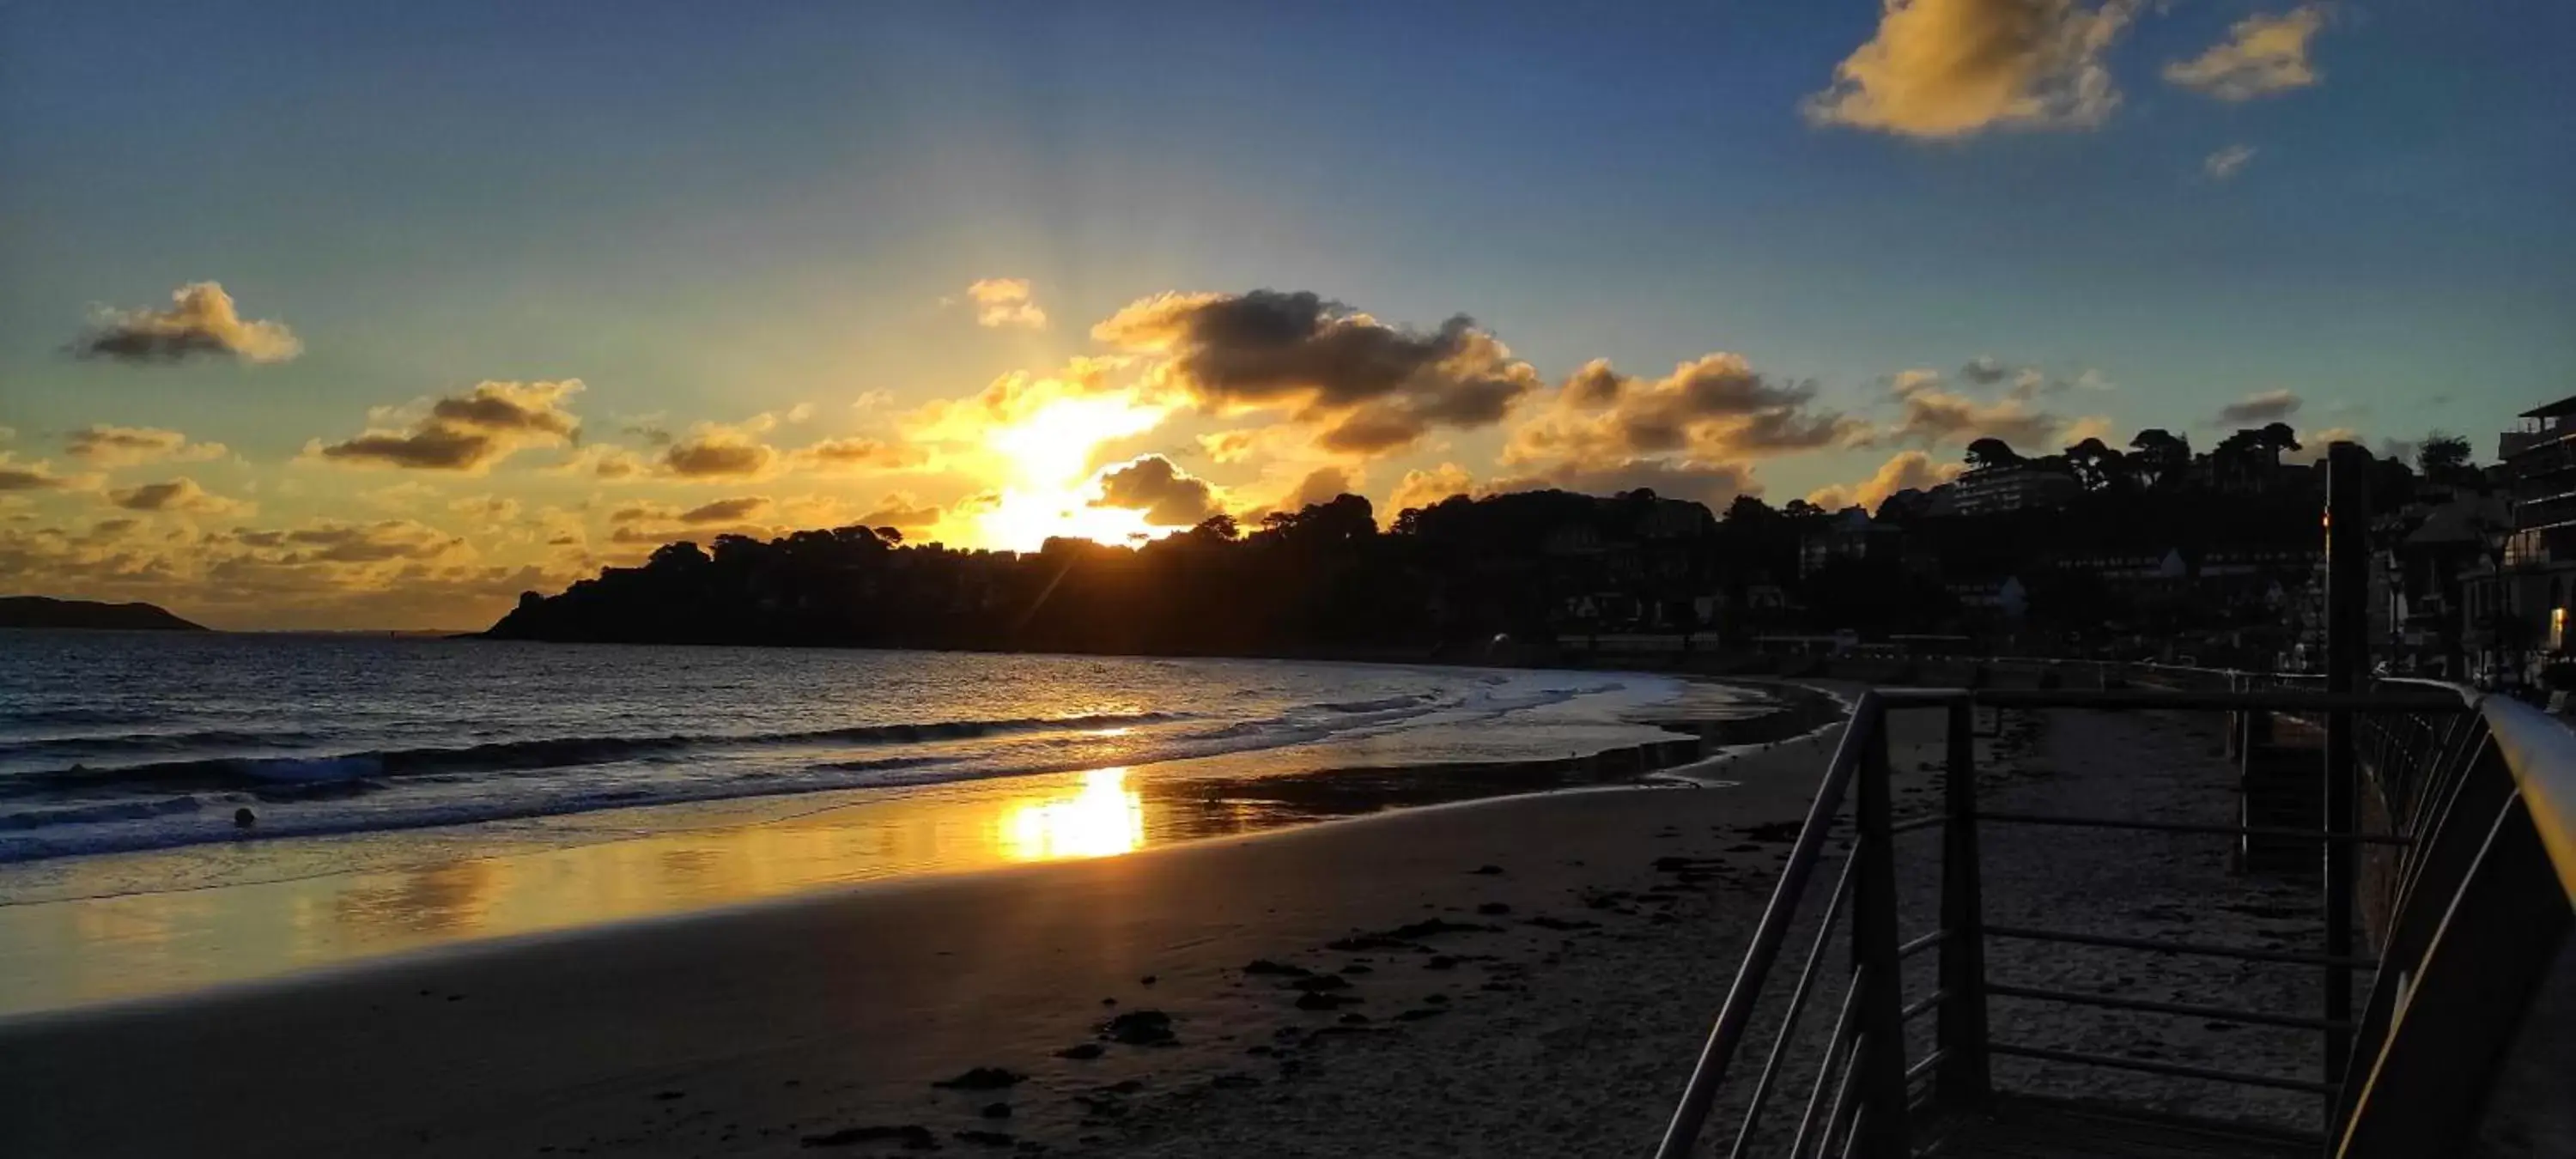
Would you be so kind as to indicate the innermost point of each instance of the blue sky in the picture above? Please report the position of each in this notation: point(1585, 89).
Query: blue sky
point(709, 214)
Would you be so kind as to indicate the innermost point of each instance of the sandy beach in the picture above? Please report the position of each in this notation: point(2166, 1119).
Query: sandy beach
point(1528, 976)
point(752, 1030)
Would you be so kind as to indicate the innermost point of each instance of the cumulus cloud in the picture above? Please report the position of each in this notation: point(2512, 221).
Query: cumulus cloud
point(468, 432)
point(333, 541)
point(110, 446)
point(200, 320)
point(1951, 68)
point(1713, 409)
point(2223, 164)
point(1003, 302)
point(2262, 55)
point(2261, 407)
point(1930, 414)
point(180, 494)
point(858, 454)
point(1908, 470)
point(718, 451)
point(1169, 496)
point(725, 510)
point(17, 475)
point(1321, 485)
point(1230, 446)
point(901, 511)
point(1424, 488)
point(1366, 387)
point(1714, 484)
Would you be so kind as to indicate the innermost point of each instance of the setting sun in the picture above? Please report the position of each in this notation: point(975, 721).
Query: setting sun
point(1051, 488)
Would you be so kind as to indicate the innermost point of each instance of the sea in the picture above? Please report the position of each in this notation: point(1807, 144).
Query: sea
point(218, 791)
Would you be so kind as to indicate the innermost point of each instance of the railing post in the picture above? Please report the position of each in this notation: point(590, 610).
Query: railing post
point(1880, 1082)
point(1963, 1082)
point(2347, 663)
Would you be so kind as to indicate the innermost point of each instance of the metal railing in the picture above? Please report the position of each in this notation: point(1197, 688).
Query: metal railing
point(2479, 800)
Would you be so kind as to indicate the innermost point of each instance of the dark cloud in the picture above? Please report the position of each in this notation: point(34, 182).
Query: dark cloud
point(901, 511)
point(1369, 387)
point(1711, 410)
point(201, 320)
point(724, 510)
point(112, 446)
point(470, 432)
point(1168, 496)
point(18, 476)
point(719, 454)
point(180, 494)
point(2263, 407)
point(1932, 416)
point(331, 541)
point(1714, 484)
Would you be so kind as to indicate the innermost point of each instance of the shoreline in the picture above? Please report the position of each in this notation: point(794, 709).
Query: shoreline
point(835, 1012)
point(330, 903)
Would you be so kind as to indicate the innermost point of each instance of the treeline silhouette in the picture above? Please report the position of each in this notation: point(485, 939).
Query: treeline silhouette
point(1475, 577)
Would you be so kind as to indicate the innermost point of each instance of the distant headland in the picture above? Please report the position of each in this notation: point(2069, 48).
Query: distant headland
point(47, 612)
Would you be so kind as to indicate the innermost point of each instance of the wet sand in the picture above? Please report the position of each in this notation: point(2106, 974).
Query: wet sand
point(812, 1023)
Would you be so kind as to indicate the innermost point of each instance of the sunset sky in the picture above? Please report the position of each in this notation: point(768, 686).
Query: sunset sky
point(375, 316)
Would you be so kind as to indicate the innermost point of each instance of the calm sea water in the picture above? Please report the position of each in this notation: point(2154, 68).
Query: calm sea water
point(127, 741)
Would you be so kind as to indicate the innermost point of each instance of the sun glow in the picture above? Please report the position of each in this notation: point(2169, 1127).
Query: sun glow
point(1105, 818)
point(1051, 486)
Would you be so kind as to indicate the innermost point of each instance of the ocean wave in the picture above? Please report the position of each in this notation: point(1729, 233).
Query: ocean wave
point(267, 775)
point(94, 814)
point(437, 793)
point(211, 738)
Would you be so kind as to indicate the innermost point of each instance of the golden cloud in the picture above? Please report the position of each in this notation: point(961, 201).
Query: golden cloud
point(1908, 470)
point(2262, 55)
point(180, 494)
point(1950, 68)
point(468, 432)
point(1005, 302)
point(201, 320)
point(111, 446)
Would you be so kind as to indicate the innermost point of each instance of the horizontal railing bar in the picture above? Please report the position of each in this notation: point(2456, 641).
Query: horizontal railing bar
point(2151, 1066)
point(2293, 957)
point(1919, 1069)
point(2188, 1010)
point(1918, 945)
point(1910, 824)
point(2194, 827)
point(1918, 1006)
point(2269, 700)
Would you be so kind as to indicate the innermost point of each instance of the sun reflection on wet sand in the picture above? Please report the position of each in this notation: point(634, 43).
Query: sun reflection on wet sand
point(1104, 819)
point(413, 889)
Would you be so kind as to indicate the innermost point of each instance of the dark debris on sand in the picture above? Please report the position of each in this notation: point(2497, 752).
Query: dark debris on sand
point(913, 1137)
point(1140, 1028)
point(983, 1078)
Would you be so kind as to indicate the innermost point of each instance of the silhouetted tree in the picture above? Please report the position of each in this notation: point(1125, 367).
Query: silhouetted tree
point(1992, 452)
point(2096, 465)
point(2161, 457)
point(2444, 459)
